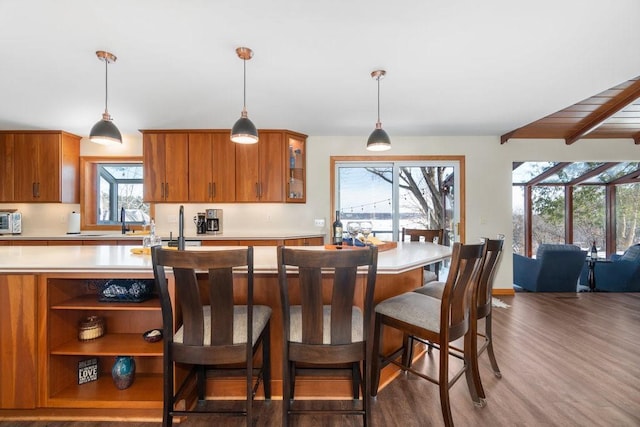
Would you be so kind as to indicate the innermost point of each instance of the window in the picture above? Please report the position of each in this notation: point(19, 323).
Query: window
point(394, 192)
point(110, 184)
point(576, 202)
point(120, 186)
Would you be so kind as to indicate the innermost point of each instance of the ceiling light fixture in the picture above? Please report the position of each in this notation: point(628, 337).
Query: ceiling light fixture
point(105, 132)
point(378, 140)
point(244, 131)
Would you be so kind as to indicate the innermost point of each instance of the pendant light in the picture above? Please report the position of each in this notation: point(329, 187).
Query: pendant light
point(244, 131)
point(378, 140)
point(105, 132)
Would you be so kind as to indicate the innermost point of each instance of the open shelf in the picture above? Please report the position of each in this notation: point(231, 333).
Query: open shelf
point(110, 345)
point(146, 391)
point(90, 302)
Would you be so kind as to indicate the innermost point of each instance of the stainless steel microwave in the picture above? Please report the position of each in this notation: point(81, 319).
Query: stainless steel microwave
point(10, 222)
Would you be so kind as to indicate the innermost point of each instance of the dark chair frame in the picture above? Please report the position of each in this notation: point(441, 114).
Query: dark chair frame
point(429, 234)
point(464, 274)
point(337, 272)
point(215, 270)
point(481, 308)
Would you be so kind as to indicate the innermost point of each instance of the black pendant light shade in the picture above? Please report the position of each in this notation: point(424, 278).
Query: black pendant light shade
point(378, 140)
point(244, 131)
point(105, 132)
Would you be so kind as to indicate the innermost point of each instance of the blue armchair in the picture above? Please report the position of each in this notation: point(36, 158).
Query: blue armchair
point(622, 274)
point(556, 268)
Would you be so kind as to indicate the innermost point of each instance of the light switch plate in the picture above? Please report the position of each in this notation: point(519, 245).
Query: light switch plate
point(319, 222)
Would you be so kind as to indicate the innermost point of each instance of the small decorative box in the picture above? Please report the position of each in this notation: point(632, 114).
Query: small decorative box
point(90, 328)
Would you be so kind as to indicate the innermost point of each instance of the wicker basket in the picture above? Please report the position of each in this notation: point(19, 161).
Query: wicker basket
point(90, 328)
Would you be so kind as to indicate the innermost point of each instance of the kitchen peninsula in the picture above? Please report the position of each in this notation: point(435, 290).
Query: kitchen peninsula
point(45, 292)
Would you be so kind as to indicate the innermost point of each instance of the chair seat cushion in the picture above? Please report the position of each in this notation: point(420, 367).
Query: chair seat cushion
point(261, 315)
point(413, 308)
point(295, 322)
point(433, 289)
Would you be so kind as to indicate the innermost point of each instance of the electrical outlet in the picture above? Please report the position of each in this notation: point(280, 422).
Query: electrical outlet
point(319, 222)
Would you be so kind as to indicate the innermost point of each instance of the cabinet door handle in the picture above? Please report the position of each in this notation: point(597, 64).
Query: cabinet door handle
point(162, 190)
point(38, 189)
point(166, 190)
point(257, 190)
point(213, 185)
point(33, 189)
point(209, 191)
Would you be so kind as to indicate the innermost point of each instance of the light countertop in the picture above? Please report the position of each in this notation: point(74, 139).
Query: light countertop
point(114, 235)
point(96, 259)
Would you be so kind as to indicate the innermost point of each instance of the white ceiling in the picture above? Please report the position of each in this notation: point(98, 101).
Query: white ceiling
point(454, 67)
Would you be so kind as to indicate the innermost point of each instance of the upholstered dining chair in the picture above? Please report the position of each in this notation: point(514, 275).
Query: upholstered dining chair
point(439, 321)
point(415, 234)
point(211, 335)
point(480, 309)
point(322, 326)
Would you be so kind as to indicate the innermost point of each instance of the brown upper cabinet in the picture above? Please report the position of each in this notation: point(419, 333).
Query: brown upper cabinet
point(202, 166)
point(40, 166)
point(166, 163)
point(212, 159)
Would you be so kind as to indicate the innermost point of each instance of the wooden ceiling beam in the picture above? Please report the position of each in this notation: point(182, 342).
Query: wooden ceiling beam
point(600, 115)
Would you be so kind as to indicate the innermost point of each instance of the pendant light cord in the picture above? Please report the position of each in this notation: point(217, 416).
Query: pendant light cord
point(244, 85)
point(378, 79)
point(106, 84)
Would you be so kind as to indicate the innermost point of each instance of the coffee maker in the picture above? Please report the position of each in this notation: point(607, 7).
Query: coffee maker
point(214, 221)
point(200, 222)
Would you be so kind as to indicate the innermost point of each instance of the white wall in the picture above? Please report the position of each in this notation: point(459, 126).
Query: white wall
point(488, 184)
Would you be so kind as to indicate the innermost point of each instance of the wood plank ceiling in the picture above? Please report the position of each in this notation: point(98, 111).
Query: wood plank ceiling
point(614, 113)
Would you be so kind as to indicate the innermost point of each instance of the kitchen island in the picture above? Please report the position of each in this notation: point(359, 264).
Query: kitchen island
point(45, 292)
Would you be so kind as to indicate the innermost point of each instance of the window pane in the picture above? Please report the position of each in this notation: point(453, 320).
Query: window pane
point(589, 217)
point(120, 186)
point(529, 170)
point(518, 219)
point(548, 215)
point(627, 215)
point(365, 193)
point(426, 197)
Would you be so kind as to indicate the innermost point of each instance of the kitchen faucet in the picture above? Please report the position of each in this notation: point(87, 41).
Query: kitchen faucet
point(181, 229)
point(123, 221)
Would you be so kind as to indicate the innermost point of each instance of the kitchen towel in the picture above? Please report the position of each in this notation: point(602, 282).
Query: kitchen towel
point(74, 223)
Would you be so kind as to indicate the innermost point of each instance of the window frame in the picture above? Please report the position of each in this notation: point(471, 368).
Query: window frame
point(459, 228)
point(88, 184)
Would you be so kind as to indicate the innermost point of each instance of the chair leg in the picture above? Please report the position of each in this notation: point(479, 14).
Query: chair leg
point(286, 389)
point(249, 389)
point(266, 361)
point(366, 393)
point(355, 380)
point(492, 357)
point(472, 371)
point(443, 385)
point(407, 353)
point(375, 356)
point(201, 380)
point(167, 407)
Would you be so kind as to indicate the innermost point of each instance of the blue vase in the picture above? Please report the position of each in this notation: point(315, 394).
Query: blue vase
point(123, 372)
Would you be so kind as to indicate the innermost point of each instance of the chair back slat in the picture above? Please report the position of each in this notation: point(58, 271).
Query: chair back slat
point(341, 304)
point(464, 273)
point(188, 293)
point(311, 304)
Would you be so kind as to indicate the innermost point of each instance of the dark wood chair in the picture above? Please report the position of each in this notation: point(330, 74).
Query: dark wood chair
point(213, 334)
point(439, 321)
point(415, 234)
point(480, 309)
point(326, 333)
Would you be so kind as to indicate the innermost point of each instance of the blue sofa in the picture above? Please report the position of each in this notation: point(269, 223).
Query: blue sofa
point(622, 274)
point(556, 268)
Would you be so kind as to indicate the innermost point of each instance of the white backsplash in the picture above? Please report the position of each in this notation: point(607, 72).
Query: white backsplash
point(43, 218)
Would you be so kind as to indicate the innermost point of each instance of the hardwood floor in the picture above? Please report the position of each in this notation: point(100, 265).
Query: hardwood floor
point(566, 360)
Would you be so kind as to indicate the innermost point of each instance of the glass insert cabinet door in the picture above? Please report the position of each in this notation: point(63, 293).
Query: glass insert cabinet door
point(296, 164)
point(393, 195)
